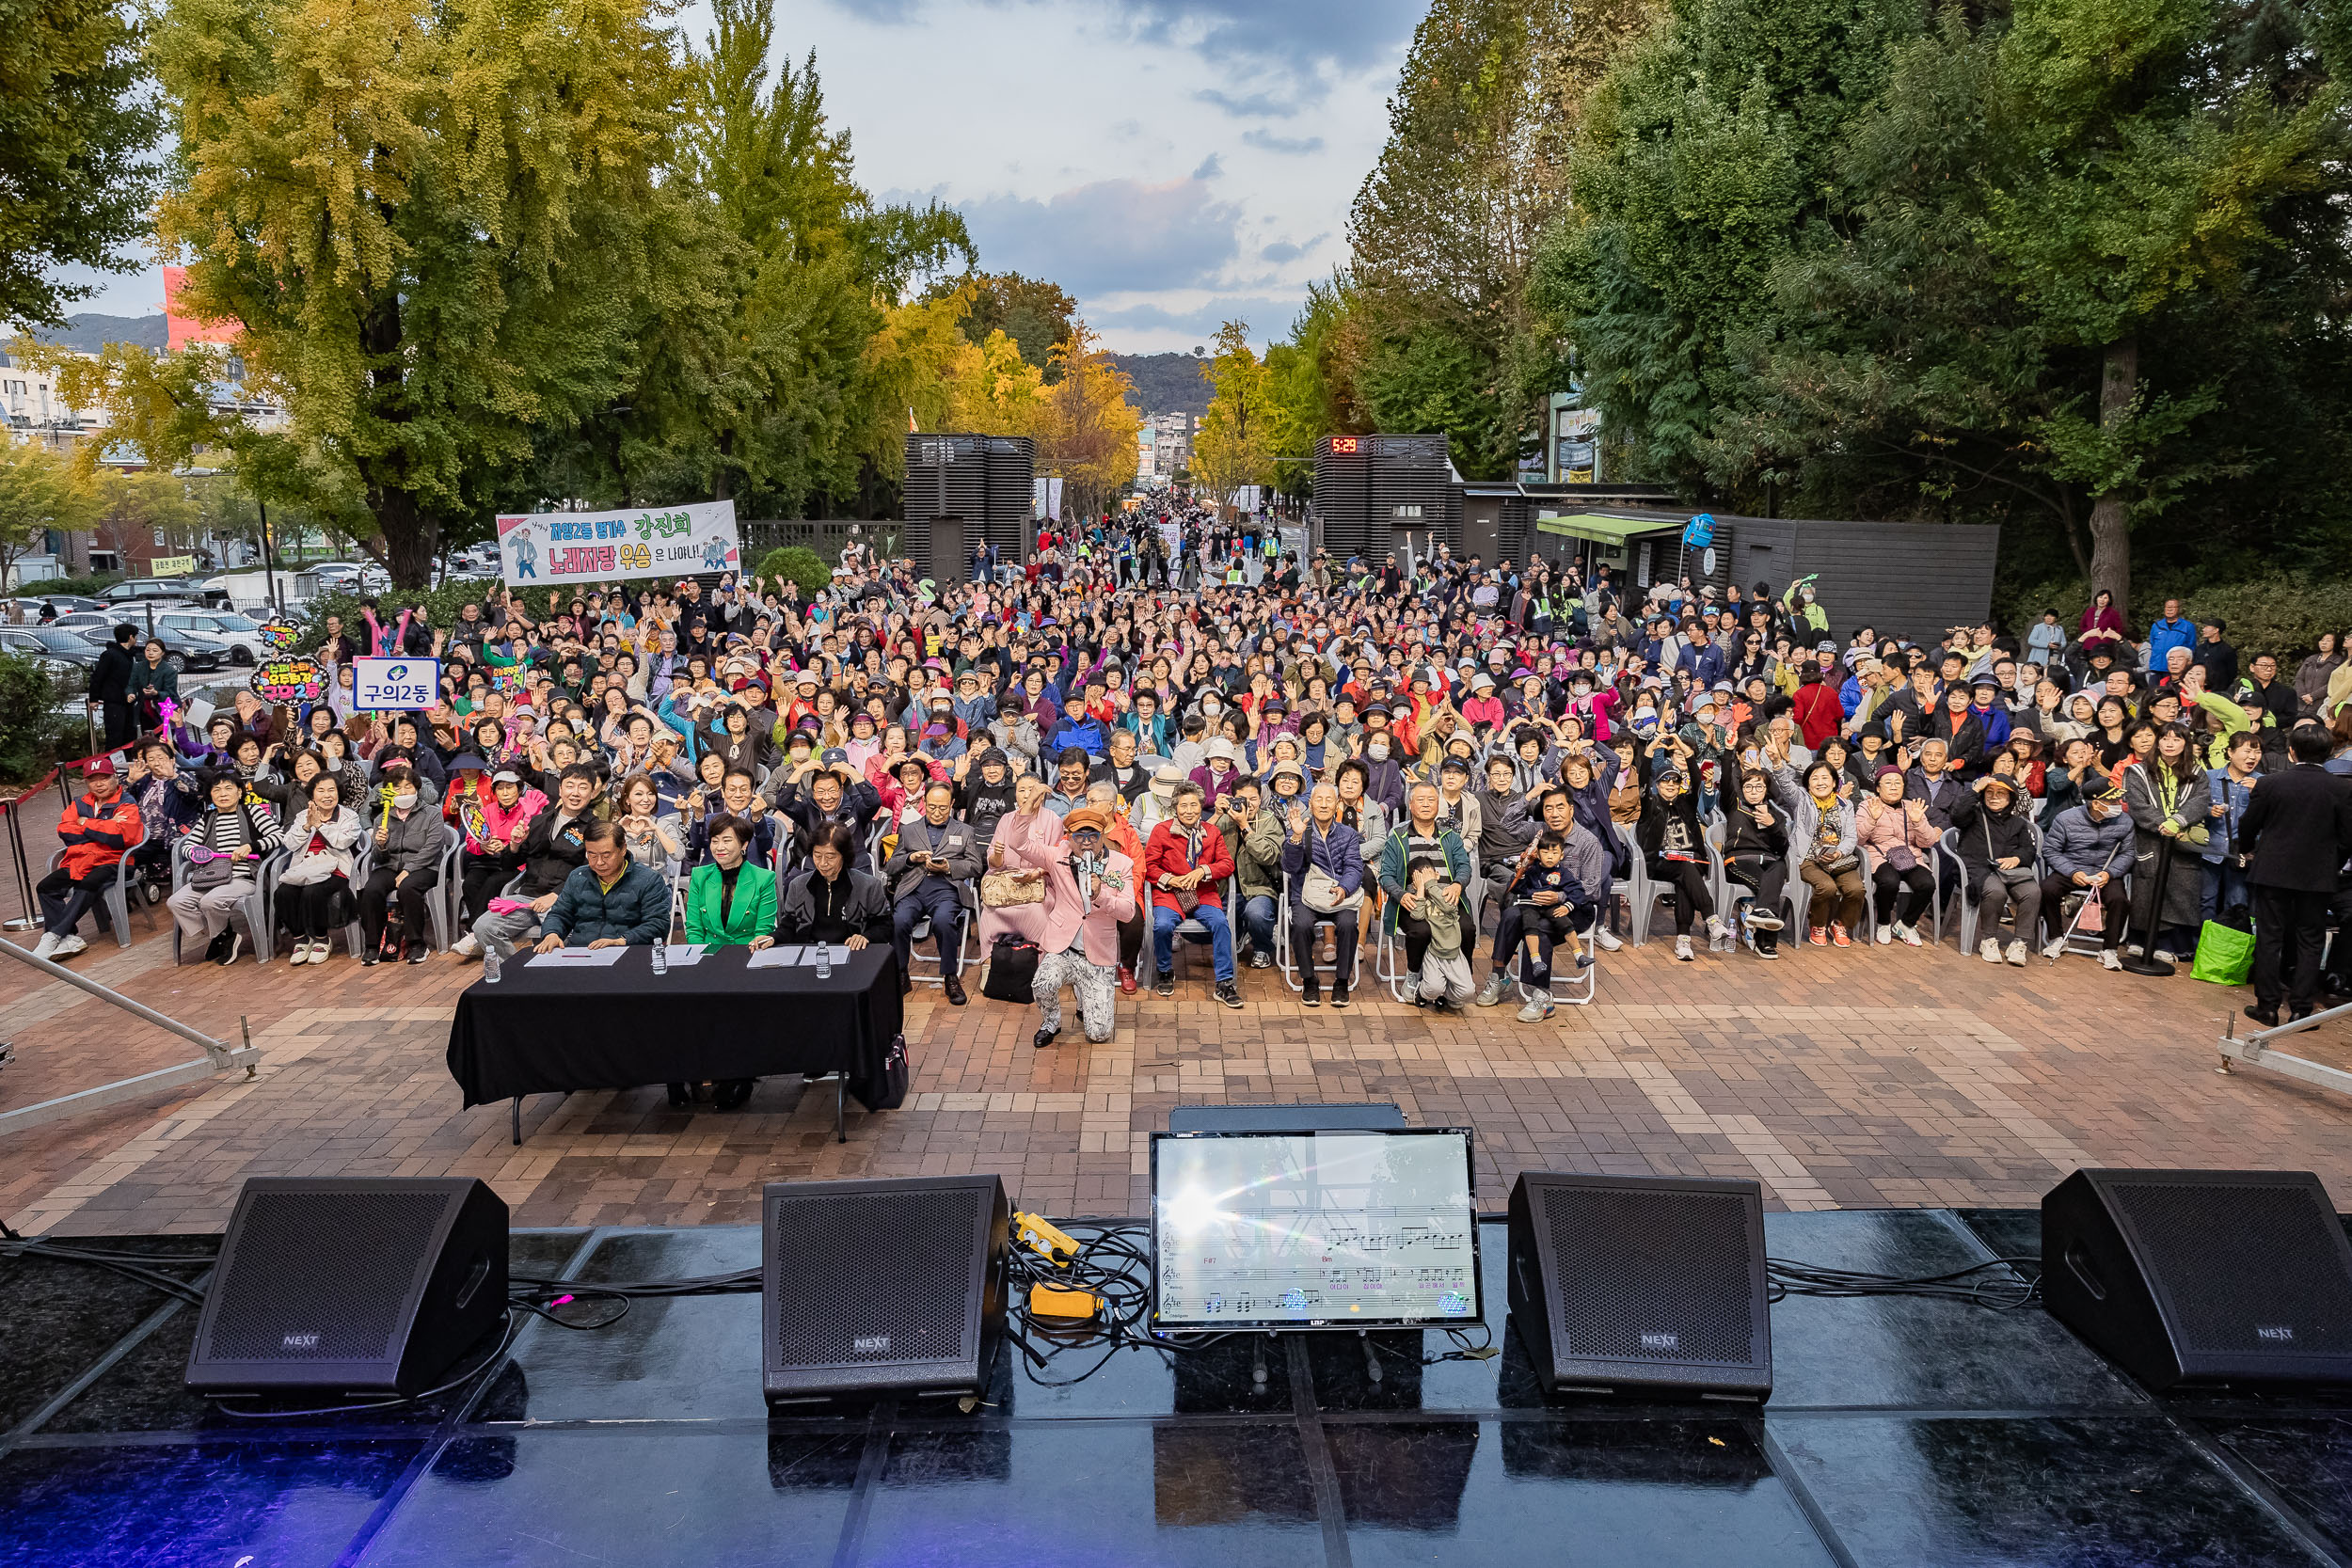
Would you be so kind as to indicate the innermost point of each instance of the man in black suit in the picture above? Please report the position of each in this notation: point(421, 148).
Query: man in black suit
point(110, 687)
point(2297, 828)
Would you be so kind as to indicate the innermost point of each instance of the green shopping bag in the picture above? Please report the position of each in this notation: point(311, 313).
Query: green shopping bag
point(2225, 955)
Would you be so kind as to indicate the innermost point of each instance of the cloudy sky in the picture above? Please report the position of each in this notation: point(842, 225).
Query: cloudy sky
point(1172, 162)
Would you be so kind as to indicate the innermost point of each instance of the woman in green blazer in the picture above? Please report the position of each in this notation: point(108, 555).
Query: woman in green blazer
point(728, 902)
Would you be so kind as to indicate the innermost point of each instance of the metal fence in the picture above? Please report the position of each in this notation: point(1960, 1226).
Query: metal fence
point(824, 535)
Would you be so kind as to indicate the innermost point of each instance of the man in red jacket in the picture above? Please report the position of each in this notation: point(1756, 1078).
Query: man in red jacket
point(1187, 860)
point(97, 831)
point(1816, 707)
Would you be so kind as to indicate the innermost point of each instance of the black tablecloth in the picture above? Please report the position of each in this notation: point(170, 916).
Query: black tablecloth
point(547, 1030)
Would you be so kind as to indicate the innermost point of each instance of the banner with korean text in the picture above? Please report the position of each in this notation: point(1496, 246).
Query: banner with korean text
point(587, 547)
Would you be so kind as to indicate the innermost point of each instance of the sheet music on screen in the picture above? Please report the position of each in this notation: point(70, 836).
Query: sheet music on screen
point(1313, 1228)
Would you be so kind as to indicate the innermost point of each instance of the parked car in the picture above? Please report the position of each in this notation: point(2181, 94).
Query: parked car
point(186, 653)
point(239, 635)
point(52, 648)
point(25, 611)
point(141, 590)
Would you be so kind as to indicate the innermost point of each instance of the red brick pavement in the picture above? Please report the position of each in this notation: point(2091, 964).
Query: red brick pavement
point(1868, 1077)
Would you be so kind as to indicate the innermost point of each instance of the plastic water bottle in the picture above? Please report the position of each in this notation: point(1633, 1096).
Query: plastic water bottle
point(662, 957)
point(824, 962)
point(490, 965)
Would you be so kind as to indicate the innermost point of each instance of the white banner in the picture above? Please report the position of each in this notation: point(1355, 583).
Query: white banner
point(589, 548)
point(379, 684)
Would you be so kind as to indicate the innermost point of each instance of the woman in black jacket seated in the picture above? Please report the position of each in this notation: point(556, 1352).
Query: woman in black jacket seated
point(832, 902)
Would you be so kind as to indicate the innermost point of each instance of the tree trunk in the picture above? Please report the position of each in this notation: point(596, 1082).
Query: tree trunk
point(2111, 520)
point(410, 538)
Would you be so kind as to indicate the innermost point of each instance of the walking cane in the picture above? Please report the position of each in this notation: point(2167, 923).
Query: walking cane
point(2146, 963)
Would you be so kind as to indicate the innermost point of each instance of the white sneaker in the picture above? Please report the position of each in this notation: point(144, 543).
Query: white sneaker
point(301, 953)
point(2017, 953)
point(1682, 949)
point(2133, 948)
point(2109, 958)
point(1608, 940)
point(1886, 933)
point(1717, 929)
point(466, 946)
point(1988, 950)
point(70, 944)
point(2162, 956)
point(1764, 920)
point(47, 945)
point(1909, 935)
point(2055, 950)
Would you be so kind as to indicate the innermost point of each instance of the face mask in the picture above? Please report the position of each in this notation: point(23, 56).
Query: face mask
point(1379, 750)
point(405, 802)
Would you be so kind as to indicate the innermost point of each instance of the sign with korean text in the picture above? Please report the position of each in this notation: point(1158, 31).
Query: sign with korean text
point(379, 684)
point(548, 548)
point(171, 566)
point(288, 680)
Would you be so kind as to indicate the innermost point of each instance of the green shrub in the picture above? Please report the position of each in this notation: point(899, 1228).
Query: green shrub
point(80, 588)
point(797, 565)
point(2276, 614)
point(33, 732)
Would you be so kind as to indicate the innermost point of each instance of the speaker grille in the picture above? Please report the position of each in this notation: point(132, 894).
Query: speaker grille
point(2240, 1263)
point(1651, 1276)
point(276, 1295)
point(867, 1279)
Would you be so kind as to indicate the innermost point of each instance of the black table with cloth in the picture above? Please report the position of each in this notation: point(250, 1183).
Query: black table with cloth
point(553, 1029)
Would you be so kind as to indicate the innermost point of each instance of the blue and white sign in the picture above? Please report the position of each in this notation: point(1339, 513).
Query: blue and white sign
point(381, 684)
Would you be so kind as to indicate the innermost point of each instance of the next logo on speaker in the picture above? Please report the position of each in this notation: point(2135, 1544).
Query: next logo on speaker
point(1661, 1341)
point(300, 1342)
point(2279, 1332)
point(871, 1345)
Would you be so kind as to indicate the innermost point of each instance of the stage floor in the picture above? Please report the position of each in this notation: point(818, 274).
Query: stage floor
point(1903, 1431)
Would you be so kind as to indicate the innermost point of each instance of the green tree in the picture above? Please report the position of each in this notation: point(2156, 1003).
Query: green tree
point(1445, 232)
point(797, 565)
point(1037, 315)
point(40, 489)
point(78, 135)
point(433, 225)
point(1234, 445)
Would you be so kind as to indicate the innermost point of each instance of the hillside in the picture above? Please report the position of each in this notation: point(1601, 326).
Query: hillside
point(1166, 383)
point(88, 333)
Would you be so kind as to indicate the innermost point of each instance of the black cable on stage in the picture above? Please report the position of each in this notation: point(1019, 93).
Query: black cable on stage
point(506, 1340)
point(144, 1268)
point(1787, 1279)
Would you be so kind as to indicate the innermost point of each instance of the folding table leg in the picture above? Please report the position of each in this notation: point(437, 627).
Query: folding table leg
point(840, 1120)
point(517, 1115)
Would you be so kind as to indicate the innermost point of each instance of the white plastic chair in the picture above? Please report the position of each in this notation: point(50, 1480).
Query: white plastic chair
point(255, 909)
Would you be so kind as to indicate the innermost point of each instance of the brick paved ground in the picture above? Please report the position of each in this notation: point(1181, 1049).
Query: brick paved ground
point(1866, 1078)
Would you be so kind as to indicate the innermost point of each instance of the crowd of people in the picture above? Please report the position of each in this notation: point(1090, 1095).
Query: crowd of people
point(1166, 728)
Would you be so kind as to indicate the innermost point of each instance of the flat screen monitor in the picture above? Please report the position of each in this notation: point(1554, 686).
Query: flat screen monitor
point(1313, 1229)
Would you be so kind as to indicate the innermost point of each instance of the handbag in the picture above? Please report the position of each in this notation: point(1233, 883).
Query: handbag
point(891, 1092)
point(2225, 955)
point(1839, 866)
point(1011, 975)
point(1010, 890)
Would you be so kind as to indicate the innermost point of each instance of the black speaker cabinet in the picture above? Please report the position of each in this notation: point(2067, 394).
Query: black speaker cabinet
point(872, 1288)
point(2201, 1276)
point(351, 1287)
point(1639, 1285)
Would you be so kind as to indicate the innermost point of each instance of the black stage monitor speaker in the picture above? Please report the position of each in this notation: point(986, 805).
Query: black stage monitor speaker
point(2201, 1276)
point(356, 1287)
point(872, 1288)
point(1639, 1285)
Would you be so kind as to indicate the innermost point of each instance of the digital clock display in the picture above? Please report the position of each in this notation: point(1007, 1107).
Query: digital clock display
point(1343, 445)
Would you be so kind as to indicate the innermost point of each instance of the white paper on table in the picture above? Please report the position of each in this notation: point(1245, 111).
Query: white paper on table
point(684, 953)
point(581, 958)
point(774, 957)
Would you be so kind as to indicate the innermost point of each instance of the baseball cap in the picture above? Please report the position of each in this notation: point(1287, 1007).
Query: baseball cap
point(100, 768)
point(506, 775)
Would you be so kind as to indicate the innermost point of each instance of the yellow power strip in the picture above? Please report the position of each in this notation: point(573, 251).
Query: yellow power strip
point(1052, 1301)
point(1040, 1237)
